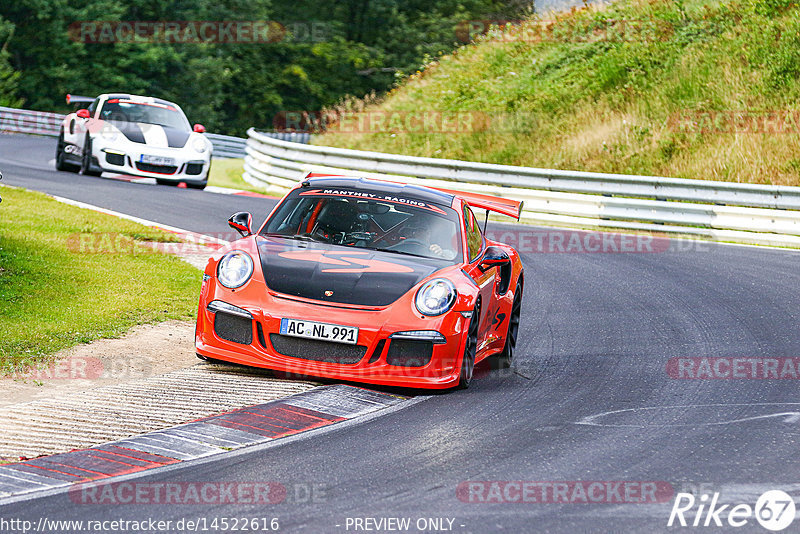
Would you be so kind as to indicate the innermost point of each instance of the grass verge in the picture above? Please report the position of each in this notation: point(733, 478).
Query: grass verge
point(69, 276)
point(227, 172)
point(685, 88)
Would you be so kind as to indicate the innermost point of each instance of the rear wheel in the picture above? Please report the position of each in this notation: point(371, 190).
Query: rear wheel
point(86, 159)
point(504, 359)
point(61, 163)
point(470, 348)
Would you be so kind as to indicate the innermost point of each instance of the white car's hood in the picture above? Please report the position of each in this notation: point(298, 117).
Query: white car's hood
point(153, 134)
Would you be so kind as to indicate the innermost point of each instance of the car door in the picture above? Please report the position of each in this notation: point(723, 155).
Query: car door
point(476, 245)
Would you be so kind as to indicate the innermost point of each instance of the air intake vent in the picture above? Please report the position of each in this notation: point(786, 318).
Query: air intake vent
point(318, 351)
point(160, 169)
point(115, 159)
point(194, 168)
point(409, 353)
point(233, 328)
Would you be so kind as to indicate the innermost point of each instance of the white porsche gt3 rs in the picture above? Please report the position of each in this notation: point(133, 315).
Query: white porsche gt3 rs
point(135, 135)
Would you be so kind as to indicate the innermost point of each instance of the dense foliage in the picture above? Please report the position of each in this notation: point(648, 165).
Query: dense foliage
point(324, 51)
point(687, 88)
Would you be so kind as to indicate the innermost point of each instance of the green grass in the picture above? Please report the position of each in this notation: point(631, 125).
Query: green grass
point(69, 276)
point(228, 173)
point(582, 97)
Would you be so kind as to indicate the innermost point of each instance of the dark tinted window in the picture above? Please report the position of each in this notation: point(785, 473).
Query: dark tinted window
point(473, 232)
point(369, 220)
point(127, 111)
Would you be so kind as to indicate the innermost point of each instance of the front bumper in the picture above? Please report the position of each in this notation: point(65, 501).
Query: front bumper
point(376, 359)
point(125, 158)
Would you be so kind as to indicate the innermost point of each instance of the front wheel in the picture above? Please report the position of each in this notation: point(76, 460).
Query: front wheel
point(470, 348)
point(86, 159)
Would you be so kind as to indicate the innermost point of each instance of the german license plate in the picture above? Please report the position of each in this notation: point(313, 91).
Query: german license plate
point(157, 160)
point(322, 331)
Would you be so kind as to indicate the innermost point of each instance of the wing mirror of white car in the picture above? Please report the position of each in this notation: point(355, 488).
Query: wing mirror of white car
point(199, 128)
point(83, 113)
point(242, 222)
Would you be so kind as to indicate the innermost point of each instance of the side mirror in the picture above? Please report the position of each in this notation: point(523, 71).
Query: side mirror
point(493, 257)
point(83, 113)
point(242, 222)
point(199, 128)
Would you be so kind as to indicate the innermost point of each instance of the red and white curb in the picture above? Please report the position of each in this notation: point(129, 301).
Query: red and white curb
point(210, 436)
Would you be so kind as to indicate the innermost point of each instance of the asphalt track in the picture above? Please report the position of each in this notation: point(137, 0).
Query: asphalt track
point(598, 330)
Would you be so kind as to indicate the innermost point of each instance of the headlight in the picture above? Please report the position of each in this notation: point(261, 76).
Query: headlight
point(235, 269)
point(109, 134)
point(199, 144)
point(436, 297)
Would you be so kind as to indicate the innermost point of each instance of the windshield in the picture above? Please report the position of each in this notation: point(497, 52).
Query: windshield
point(116, 110)
point(368, 220)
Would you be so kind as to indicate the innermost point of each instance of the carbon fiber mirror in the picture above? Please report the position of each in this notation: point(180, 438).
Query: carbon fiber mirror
point(494, 257)
point(242, 222)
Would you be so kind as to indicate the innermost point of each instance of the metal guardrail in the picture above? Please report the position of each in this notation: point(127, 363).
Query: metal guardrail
point(742, 213)
point(226, 146)
point(43, 123)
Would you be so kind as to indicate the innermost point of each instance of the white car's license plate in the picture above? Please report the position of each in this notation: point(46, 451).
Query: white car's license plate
point(322, 331)
point(156, 160)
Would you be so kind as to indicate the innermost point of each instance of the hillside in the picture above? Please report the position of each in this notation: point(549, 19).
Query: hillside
point(673, 88)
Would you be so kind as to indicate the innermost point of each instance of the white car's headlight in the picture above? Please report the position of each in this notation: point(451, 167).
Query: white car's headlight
point(199, 144)
point(235, 269)
point(436, 297)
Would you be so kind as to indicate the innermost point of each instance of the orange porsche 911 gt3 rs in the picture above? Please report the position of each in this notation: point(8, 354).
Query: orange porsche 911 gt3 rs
point(367, 281)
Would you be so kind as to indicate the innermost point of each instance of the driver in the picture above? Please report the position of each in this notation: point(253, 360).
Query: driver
point(419, 231)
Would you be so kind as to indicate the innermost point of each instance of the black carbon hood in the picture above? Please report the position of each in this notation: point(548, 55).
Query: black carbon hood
point(338, 274)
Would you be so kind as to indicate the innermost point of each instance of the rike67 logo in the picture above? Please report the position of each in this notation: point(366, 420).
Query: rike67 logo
point(774, 510)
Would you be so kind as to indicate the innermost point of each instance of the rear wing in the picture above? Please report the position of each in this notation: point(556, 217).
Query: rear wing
point(77, 99)
point(504, 206)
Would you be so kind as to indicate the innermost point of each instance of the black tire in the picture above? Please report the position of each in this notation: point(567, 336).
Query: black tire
point(86, 159)
point(61, 163)
point(470, 348)
point(159, 181)
point(504, 359)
